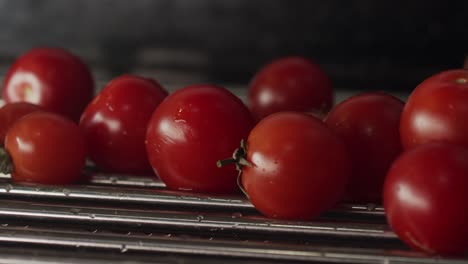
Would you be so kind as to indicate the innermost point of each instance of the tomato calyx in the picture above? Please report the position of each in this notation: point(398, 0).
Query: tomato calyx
point(239, 159)
point(6, 164)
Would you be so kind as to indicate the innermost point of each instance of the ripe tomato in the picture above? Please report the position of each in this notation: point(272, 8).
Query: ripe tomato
point(9, 113)
point(298, 167)
point(45, 148)
point(290, 84)
point(436, 110)
point(114, 124)
point(190, 131)
point(369, 124)
point(425, 198)
point(53, 78)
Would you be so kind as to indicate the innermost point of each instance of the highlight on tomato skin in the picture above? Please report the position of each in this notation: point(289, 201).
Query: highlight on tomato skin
point(10, 113)
point(290, 84)
point(369, 125)
point(435, 110)
point(52, 78)
point(115, 122)
point(424, 198)
point(190, 131)
point(44, 148)
point(298, 167)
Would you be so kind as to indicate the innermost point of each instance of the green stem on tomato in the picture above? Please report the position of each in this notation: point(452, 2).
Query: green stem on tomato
point(239, 159)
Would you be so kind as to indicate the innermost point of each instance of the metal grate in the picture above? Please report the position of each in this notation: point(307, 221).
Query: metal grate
point(125, 219)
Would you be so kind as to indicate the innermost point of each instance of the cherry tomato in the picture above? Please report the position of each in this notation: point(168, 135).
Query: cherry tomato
point(45, 148)
point(115, 122)
point(290, 84)
point(53, 78)
point(436, 110)
point(190, 131)
point(9, 113)
point(425, 198)
point(298, 167)
point(369, 124)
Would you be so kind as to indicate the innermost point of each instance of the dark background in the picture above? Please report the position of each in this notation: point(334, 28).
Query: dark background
point(362, 44)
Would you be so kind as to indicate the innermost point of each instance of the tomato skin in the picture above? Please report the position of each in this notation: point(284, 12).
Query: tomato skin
point(369, 124)
point(46, 148)
point(52, 78)
point(115, 122)
point(300, 167)
point(425, 198)
point(10, 113)
point(290, 84)
point(190, 131)
point(436, 109)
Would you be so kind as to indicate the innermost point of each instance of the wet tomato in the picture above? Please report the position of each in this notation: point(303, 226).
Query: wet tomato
point(436, 110)
point(290, 84)
point(190, 131)
point(115, 122)
point(9, 113)
point(369, 124)
point(425, 198)
point(53, 78)
point(294, 166)
point(45, 148)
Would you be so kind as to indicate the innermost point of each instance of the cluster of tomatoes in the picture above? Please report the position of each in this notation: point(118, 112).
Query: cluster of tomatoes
point(299, 155)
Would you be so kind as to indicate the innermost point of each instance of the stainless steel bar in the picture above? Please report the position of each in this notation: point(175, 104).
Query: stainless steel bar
point(210, 247)
point(201, 222)
point(153, 197)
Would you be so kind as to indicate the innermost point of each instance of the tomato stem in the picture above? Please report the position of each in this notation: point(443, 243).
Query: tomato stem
point(224, 162)
point(6, 164)
point(239, 159)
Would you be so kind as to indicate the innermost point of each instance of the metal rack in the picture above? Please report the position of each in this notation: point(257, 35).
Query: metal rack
point(125, 219)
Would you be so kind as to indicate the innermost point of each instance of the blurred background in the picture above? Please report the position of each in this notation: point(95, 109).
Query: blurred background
point(363, 44)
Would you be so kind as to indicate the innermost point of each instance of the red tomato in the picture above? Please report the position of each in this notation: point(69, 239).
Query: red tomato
point(45, 148)
point(290, 84)
point(369, 124)
point(436, 110)
point(9, 113)
point(114, 124)
point(299, 168)
point(190, 131)
point(425, 198)
point(53, 78)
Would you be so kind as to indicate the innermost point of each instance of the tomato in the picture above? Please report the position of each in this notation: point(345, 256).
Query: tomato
point(189, 131)
point(45, 148)
point(53, 78)
point(114, 124)
point(295, 166)
point(425, 198)
point(436, 110)
point(9, 113)
point(369, 124)
point(290, 84)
